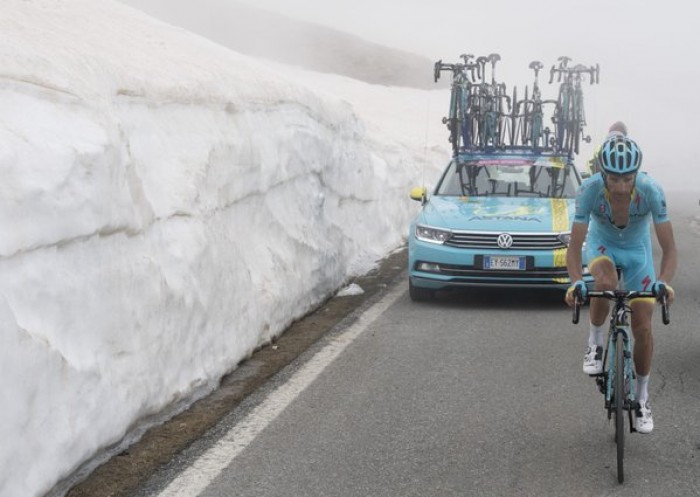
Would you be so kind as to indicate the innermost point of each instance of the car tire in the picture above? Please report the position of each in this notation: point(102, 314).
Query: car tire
point(419, 294)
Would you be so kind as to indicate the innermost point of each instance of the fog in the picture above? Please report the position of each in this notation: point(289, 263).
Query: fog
point(647, 75)
point(646, 54)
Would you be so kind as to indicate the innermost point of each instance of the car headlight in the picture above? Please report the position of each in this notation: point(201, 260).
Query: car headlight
point(432, 235)
point(565, 238)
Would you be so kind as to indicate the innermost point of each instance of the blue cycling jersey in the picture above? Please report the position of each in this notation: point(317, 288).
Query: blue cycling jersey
point(593, 208)
point(628, 247)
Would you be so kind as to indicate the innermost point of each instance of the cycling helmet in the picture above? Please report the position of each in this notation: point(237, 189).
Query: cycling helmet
point(619, 155)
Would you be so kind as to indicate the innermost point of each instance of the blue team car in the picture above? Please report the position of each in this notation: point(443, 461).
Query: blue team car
point(494, 219)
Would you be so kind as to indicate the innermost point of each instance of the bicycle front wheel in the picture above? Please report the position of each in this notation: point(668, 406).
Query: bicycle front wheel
point(619, 388)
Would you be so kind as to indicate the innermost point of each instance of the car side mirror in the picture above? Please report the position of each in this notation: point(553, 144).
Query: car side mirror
point(585, 174)
point(419, 193)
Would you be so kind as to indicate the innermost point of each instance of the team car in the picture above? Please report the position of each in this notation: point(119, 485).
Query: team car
point(494, 219)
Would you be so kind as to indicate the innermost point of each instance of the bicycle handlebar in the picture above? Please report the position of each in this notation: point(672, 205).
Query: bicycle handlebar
point(623, 295)
point(563, 70)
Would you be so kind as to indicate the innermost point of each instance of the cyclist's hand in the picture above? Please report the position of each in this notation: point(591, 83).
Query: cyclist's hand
point(657, 288)
point(582, 289)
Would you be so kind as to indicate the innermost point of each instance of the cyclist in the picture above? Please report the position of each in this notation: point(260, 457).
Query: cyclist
point(613, 209)
point(617, 128)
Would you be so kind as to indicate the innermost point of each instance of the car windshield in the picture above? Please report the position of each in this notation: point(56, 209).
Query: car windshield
point(517, 179)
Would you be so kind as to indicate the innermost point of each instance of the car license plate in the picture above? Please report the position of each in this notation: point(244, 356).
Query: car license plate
point(504, 262)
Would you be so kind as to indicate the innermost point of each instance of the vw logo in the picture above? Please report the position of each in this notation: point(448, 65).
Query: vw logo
point(505, 240)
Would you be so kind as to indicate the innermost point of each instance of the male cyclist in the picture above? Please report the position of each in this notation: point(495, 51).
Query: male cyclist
point(613, 208)
point(617, 128)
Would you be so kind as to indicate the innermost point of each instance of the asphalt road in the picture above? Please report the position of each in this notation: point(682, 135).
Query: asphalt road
point(477, 393)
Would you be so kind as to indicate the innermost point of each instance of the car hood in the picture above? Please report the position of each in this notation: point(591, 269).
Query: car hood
point(498, 214)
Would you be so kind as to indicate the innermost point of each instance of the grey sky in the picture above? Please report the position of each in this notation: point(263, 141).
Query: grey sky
point(436, 27)
point(646, 51)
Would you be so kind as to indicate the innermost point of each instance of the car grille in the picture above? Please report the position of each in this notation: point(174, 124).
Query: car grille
point(489, 240)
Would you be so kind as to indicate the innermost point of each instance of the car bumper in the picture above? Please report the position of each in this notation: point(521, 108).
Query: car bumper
point(438, 266)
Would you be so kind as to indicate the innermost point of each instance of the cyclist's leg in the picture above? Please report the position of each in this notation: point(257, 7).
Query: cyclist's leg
point(638, 268)
point(602, 267)
point(639, 275)
point(601, 264)
point(642, 310)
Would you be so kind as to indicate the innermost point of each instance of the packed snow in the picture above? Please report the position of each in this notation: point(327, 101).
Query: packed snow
point(167, 207)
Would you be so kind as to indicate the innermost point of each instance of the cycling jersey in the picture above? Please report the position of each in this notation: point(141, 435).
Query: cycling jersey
point(628, 247)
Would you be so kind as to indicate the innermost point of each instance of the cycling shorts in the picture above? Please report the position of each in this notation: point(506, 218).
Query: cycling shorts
point(635, 260)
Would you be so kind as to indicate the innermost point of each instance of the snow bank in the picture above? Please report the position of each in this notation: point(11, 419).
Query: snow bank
point(167, 206)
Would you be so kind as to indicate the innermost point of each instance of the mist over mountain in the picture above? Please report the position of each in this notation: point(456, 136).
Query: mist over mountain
point(269, 35)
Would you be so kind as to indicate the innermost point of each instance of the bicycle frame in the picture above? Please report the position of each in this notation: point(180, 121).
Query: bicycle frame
point(619, 333)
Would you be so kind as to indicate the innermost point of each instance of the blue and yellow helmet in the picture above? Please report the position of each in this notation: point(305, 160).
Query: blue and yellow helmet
point(619, 155)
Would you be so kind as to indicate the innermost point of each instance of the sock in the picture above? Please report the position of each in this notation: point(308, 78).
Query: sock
point(642, 388)
point(596, 336)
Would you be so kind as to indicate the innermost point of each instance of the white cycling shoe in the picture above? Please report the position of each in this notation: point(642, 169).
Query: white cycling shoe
point(593, 360)
point(645, 423)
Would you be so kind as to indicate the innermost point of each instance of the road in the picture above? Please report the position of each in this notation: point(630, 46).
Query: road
point(476, 393)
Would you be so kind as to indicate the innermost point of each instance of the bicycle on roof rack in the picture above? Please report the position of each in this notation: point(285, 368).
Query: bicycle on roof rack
point(476, 114)
point(618, 380)
point(482, 111)
point(483, 117)
point(533, 133)
point(488, 98)
point(569, 116)
point(458, 121)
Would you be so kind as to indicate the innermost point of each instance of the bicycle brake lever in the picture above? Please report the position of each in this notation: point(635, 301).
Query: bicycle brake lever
point(577, 307)
point(436, 73)
point(665, 311)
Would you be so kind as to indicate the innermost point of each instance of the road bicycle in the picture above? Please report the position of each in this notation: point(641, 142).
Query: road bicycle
point(533, 133)
point(486, 106)
point(476, 112)
point(569, 117)
point(483, 117)
point(618, 379)
point(459, 118)
point(458, 102)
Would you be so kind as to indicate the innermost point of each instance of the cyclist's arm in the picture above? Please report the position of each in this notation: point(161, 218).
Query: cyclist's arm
point(664, 233)
point(574, 262)
point(574, 259)
point(585, 197)
point(669, 259)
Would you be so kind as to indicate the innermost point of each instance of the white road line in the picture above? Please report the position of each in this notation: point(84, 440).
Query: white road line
point(202, 472)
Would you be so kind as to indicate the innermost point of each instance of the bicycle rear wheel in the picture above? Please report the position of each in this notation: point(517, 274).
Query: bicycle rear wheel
point(619, 388)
